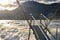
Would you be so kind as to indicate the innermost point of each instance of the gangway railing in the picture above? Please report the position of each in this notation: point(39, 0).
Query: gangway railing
point(30, 25)
point(39, 30)
point(46, 27)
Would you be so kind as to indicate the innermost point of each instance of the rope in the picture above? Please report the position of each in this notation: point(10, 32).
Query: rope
point(24, 12)
point(56, 11)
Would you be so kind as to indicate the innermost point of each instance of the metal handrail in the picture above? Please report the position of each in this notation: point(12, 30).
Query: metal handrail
point(47, 25)
point(40, 28)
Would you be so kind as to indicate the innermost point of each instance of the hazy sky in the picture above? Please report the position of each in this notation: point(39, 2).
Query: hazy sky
point(11, 4)
point(7, 4)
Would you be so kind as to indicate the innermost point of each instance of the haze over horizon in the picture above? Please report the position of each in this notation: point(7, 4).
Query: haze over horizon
point(12, 4)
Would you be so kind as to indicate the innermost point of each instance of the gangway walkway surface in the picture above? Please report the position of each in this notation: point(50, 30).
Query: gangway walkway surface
point(38, 33)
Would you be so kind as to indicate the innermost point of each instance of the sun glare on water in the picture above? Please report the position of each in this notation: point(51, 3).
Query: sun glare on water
point(5, 22)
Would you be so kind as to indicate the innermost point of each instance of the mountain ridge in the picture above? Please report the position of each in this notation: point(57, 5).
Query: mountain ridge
point(32, 7)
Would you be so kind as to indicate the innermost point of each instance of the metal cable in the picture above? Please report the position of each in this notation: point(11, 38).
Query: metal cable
point(24, 12)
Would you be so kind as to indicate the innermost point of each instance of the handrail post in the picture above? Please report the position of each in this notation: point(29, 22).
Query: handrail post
point(56, 33)
point(29, 23)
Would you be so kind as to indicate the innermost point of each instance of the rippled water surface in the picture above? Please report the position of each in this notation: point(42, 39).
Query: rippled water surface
point(19, 30)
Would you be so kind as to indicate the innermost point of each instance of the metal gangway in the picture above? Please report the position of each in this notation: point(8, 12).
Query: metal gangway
point(39, 31)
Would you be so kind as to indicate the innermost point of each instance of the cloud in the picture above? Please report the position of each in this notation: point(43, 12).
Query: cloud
point(8, 4)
